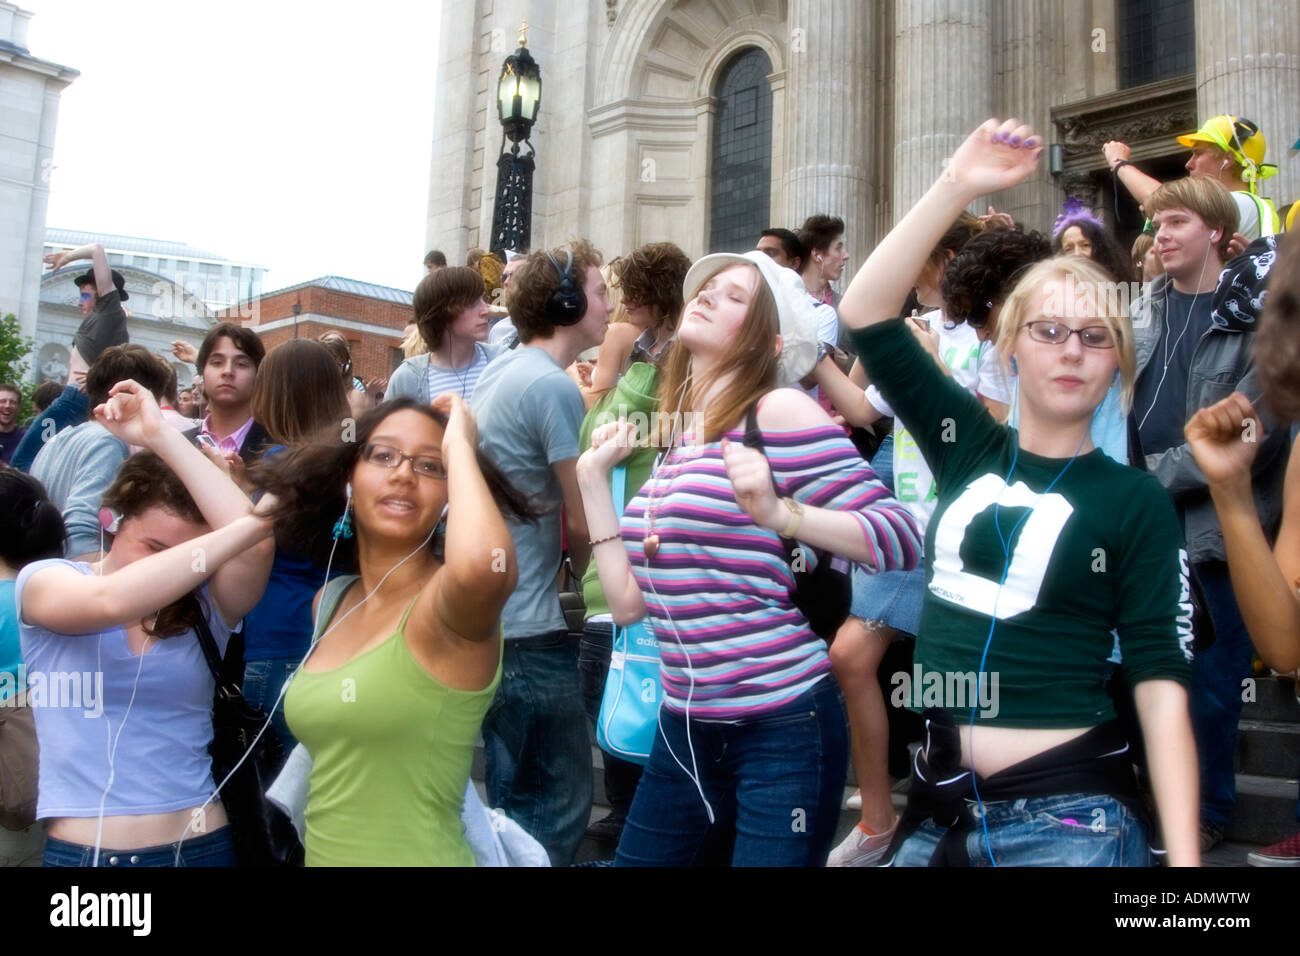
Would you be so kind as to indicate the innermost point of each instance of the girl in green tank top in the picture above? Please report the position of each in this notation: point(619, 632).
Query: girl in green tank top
point(406, 655)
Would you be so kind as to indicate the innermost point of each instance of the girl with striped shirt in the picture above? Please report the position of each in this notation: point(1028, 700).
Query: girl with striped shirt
point(752, 751)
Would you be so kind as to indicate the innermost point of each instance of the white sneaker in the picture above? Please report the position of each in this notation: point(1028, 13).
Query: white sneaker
point(861, 848)
point(854, 802)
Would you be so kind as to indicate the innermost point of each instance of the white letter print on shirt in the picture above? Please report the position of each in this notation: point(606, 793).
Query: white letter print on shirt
point(1029, 560)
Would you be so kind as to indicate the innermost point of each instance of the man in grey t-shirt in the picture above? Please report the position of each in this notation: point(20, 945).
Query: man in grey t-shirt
point(537, 748)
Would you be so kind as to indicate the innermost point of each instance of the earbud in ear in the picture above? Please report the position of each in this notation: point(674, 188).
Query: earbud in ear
point(347, 490)
point(1015, 370)
point(1224, 164)
point(1214, 237)
point(110, 520)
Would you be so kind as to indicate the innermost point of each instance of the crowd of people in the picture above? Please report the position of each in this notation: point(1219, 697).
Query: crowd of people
point(1073, 510)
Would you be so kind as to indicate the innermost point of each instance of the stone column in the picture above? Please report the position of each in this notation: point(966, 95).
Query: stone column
point(1248, 64)
point(829, 89)
point(944, 88)
point(1022, 87)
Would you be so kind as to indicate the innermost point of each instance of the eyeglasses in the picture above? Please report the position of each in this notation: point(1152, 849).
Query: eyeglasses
point(1058, 333)
point(386, 456)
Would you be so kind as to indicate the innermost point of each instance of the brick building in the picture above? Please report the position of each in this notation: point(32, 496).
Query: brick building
point(370, 316)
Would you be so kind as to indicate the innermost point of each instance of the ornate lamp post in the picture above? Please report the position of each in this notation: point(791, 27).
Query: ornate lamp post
point(519, 94)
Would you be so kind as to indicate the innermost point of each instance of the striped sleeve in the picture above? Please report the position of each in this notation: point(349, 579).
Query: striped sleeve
point(820, 467)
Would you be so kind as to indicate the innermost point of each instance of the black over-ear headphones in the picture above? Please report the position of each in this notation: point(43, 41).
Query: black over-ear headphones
point(567, 304)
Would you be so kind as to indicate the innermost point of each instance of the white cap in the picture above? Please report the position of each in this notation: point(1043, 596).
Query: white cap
point(794, 307)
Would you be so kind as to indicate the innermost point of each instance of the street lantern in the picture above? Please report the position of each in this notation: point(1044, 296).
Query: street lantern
point(519, 97)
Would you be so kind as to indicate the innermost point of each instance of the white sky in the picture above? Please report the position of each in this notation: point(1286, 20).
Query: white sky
point(292, 134)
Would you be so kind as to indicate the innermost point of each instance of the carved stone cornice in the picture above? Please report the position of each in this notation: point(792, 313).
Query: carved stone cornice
point(1147, 118)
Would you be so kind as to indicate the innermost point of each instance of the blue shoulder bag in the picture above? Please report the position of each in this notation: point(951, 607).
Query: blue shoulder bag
point(629, 710)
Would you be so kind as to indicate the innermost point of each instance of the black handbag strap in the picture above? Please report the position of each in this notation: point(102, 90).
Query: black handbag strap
point(212, 655)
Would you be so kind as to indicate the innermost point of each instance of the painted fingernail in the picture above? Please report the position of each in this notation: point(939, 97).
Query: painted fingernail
point(1029, 143)
point(1015, 140)
point(1000, 138)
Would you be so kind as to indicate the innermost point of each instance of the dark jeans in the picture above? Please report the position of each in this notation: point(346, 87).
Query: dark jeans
point(774, 783)
point(208, 849)
point(1217, 674)
point(537, 749)
point(621, 776)
point(262, 683)
point(72, 407)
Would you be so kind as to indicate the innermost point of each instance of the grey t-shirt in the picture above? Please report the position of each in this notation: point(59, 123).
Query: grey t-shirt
point(529, 412)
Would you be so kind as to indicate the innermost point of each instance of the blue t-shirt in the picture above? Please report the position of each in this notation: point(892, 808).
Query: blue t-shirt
point(280, 625)
point(529, 412)
point(80, 687)
point(11, 656)
point(1161, 427)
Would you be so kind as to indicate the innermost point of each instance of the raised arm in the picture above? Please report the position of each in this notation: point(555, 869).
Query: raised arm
point(239, 580)
point(1138, 183)
point(863, 521)
point(994, 157)
point(1263, 580)
point(64, 601)
point(467, 595)
point(849, 400)
point(610, 444)
point(98, 260)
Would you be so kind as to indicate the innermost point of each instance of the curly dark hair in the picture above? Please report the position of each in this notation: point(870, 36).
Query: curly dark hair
point(145, 481)
point(120, 362)
point(985, 271)
point(532, 285)
point(1277, 341)
point(652, 275)
point(1106, 250)
point(964, 228)
point(819, 231)
point(309, 480)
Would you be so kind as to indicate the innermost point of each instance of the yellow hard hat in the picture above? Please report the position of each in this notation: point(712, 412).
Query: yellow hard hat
point(1241, 139)
point(1291, 217)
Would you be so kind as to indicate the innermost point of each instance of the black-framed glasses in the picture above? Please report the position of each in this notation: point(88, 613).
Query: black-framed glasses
point(1058, 333)
point(386, 456)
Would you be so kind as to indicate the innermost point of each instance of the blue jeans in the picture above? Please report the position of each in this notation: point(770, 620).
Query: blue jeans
point(72, 407)
point(1217, 674)
point(209, 849)
point(1071, 829)
point(537, 748)
point(262, 683)
point(621, 776)
point(774, 783)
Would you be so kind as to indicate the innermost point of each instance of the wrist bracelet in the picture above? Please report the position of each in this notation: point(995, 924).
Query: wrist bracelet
point(1120, 164)
point(613, 537)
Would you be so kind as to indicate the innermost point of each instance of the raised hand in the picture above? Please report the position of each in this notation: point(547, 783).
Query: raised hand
point(1224, 439)
point(610, 444)
point(751, 484)
point(55, 260)
point(185, 352)
point(461, 426)
point(1114, 151)
point(131, 413)
point(996, 156)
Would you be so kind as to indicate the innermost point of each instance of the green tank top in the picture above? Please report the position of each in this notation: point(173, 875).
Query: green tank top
point(391, 748)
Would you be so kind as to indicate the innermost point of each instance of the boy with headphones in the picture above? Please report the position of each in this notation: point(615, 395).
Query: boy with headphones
point(1191, 352)
point(536, 743)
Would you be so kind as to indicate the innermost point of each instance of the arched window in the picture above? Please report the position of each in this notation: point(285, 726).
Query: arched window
point(741, 180)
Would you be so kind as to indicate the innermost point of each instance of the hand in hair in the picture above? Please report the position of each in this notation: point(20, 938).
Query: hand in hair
point(1223, 439)
point(131, 414)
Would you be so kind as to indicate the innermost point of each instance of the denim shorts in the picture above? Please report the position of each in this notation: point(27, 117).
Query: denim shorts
point(209, 849)
point(1071, 829)
point(891, 597)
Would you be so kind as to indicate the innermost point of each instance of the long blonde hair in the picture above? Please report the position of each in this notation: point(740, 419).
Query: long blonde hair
point(751, 359)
